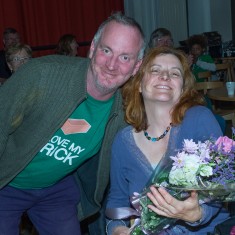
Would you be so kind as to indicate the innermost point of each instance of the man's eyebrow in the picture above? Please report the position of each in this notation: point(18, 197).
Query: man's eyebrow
point(104, 46)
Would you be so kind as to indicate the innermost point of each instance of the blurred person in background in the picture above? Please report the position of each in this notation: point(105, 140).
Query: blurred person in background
point(201, 60)
point(67, 45)
point(10, 37)
point(161, 37)
point(17, 55)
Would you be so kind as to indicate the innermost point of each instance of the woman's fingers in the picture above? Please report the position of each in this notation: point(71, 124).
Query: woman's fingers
point(162, 201)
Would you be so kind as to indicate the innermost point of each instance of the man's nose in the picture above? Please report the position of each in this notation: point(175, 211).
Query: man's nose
point(112, 62)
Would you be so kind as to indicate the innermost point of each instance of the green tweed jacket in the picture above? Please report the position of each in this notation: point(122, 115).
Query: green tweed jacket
point(34, 103)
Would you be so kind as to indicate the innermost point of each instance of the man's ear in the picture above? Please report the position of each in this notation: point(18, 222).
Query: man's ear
point(92, 49)
point(9, 66)
point(137, 66)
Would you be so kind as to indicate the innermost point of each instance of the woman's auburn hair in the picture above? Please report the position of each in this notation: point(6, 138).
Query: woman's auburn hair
point(134, 109)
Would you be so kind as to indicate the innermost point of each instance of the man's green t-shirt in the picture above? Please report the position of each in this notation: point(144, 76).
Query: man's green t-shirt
point(77, 140)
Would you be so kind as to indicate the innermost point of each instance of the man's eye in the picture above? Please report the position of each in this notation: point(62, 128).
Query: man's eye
point(106, 51)
point(125, 58)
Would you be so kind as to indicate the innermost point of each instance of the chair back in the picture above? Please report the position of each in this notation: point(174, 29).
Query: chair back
point(204, 86)
point(205, 74)
point(224, 72)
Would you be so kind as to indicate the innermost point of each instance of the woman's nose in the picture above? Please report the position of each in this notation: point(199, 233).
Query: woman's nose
point(165, 75)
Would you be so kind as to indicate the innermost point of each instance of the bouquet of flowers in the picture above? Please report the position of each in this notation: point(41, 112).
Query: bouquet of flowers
point(208, 167)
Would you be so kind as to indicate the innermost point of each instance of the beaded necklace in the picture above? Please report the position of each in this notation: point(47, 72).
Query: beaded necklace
point(154, 139)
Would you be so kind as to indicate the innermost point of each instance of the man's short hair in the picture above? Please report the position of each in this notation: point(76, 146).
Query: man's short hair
point(125, 20)
point(9, 31)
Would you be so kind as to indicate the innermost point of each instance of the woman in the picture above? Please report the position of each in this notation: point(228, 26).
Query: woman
point(67, 45)
point(17, 55)
point(163, 109)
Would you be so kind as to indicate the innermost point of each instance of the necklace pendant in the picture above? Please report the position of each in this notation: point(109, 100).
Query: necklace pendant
point(155, 139)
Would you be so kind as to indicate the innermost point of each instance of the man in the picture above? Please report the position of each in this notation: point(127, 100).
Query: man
point(59, 115)
point(10, 37)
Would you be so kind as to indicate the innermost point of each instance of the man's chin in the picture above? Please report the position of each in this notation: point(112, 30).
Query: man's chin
point(106, 87)
point(107, 83)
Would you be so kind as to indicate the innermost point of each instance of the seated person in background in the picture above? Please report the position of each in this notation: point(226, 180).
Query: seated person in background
point(161, 101)
point(67, 45)
point(201, 60)
point(17, 55)
point(160, 37)
point(10, 37)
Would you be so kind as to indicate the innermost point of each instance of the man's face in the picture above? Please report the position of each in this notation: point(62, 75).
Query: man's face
point(164, 41)
point(115, 57)
point(11, 39)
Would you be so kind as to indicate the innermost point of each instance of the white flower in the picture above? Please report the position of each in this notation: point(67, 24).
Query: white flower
point(177, 177)
point(185, 173)
point(206, 170)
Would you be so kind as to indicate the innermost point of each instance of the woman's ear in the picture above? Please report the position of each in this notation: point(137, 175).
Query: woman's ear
point(140, 89)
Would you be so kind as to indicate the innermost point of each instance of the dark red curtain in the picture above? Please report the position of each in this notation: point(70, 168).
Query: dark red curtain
point(42, 22)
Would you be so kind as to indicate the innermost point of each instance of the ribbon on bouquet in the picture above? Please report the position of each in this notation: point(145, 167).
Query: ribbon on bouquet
point(127, 212)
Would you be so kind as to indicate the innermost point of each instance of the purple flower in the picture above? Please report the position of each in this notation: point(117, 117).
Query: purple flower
point(190, 146)
point(178, 160)
point(225, 143)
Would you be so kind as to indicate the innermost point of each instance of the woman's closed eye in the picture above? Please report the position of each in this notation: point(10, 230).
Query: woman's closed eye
point(155, 71)
point(175, 74)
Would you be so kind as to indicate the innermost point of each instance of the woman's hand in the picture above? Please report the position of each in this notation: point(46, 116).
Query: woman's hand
point(121, 230)
point(166, 205)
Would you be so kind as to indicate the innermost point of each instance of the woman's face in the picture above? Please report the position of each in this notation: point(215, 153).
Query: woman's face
point(74, 48)
point(163, 82)
point(18, 59)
